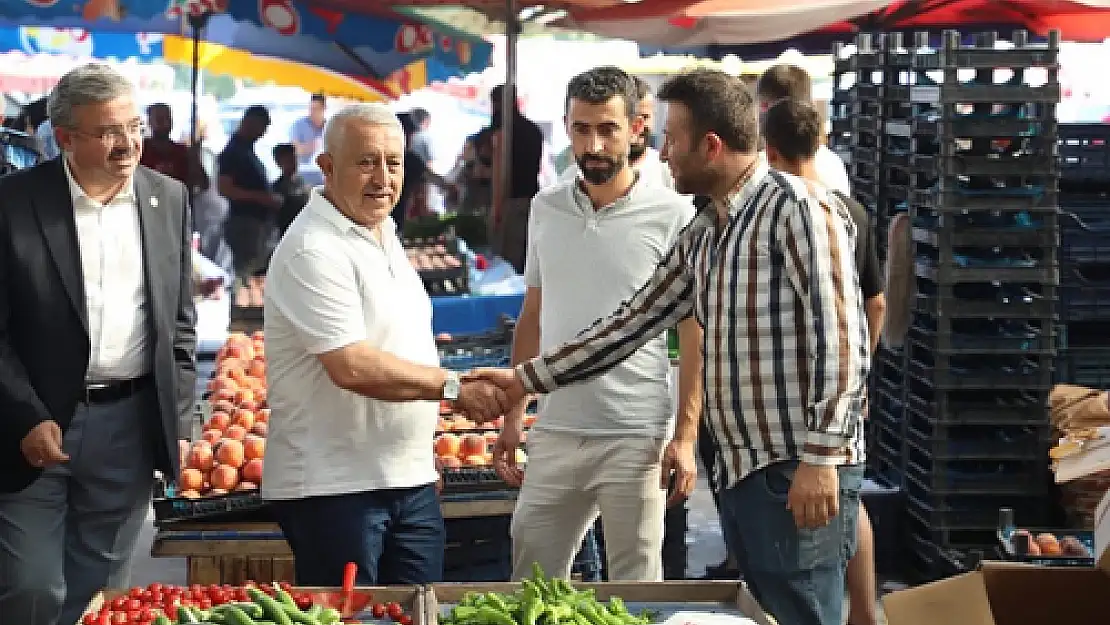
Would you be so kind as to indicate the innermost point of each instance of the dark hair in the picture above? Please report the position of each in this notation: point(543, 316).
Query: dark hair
point(420, 116)
point(284, 149)
point(498, 92)
point(319, 97)
point(158, 106)
point(257, 111)
point(408, 124)
point(718, 103)
point(601, 84)
point(793, 129)
point(784, 82)
point(643, 89)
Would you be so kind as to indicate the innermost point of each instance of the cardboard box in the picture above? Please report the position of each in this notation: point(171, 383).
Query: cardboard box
point(691, 595)
point(1007, 593)
point(410, 597)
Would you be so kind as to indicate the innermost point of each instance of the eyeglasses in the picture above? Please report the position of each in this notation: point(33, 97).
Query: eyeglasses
point(116, 133)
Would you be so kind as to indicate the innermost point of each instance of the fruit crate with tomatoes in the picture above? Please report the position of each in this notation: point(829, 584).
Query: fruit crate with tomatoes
point(438, 263)
point(251, 603)
point(463, 451)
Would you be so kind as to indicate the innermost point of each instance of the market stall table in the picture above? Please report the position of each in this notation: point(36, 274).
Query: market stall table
point(233, 552)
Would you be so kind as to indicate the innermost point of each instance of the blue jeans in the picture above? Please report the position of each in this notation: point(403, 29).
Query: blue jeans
point(796, 575)
point(395, 536)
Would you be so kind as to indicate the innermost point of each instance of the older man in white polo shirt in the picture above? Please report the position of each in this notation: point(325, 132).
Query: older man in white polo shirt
point(353, 373)
point(608, 446)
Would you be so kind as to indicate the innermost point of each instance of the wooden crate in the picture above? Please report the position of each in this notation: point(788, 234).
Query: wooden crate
point(235, 570)
point(689, 595)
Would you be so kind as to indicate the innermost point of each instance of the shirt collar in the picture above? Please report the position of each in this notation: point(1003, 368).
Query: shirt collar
point(583, 199)
point(322, 207)
point(127, 193)
point(740, 195)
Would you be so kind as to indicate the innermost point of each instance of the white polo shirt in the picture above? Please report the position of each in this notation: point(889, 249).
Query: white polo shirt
point(330, 284)
point(586, 264)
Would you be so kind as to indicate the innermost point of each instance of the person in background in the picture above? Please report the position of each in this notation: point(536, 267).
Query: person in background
point(510, 217)
point(307, 134)
point(253, 208)
point(290, 185)
point(97, 349)
point(160, 152)
point(354, 374)
point(792, 133)
point(768, 270)
point(36, 122)
point(641, 155)
point(789, 82)
point(606, 446)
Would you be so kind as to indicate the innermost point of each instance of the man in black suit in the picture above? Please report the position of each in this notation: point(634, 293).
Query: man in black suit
point(97, 347)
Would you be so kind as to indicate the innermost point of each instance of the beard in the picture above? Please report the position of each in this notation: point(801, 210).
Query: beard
point(640, 145)
point(599, 168)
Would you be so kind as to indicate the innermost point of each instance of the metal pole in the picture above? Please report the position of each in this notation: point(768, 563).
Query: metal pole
point(197, 22)
point(508, 105)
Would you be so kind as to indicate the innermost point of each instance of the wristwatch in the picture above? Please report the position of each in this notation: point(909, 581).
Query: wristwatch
point(451, 386)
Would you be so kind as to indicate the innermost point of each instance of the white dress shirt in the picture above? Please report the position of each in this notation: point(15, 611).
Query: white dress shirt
point(115, 284)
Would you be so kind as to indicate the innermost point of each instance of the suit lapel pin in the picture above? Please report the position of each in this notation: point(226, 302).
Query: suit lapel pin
point(154, 202)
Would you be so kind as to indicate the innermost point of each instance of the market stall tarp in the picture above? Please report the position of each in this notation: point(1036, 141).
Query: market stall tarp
point(742, 22)
point(357, 42)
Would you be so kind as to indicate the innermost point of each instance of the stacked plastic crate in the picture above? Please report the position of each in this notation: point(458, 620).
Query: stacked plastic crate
point(860, 73)
point(973, 145)
point(1084, 151)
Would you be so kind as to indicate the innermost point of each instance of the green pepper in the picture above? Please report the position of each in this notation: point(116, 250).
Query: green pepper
point(329, 616)
point(497, 602)
point(271, 608)
point(285, 598)
point(185, 616)
point(162, 619)
point(491, 616)
point(253, 610)
point(470, 599)
point(531, 606)
point(314, 611)
point(235, 615)
point(579, 619)
point(463, 612)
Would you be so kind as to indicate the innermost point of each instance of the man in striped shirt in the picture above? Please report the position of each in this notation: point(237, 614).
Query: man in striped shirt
point(768, 271)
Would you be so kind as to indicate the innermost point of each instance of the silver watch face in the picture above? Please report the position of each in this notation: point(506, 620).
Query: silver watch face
point(451, 387)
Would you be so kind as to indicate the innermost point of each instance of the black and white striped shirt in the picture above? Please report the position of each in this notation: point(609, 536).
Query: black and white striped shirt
point(786, 349)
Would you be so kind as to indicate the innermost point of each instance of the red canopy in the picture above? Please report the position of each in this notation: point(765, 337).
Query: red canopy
point(701, 22)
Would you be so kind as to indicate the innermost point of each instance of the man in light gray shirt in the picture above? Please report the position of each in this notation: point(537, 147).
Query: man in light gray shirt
point(608, 446)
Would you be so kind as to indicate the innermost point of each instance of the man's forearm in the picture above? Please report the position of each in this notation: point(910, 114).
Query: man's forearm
point(690, 381)
point(380, 375)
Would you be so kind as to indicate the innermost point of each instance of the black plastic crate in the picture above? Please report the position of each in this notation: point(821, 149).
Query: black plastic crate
point(236, 506)
point(993, 371)
point(941, 440)
point(1085, 241)
point(472, 480)
point(956, 407)
point(949, 272)
point(1034, 197)
point(975, 512)
point(970, 127)
point(929, 562)
point(1015, 300)
point(974, 475)
point(1010, 230)
point(952, 92)
point(1084, 151)
point(1084, 366)
point(984, 336)
point(983, 53)
point(1085, 293)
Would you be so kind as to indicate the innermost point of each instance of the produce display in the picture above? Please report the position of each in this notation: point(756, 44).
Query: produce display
point(542, 601)
point(1047, 544)
point(430, 255)
point(229, 455)
point(250, 604)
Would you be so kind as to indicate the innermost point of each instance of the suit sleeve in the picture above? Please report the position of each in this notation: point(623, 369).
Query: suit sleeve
point(20, 407)
point(184, 331)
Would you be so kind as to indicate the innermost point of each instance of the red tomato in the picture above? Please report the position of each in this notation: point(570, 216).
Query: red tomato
point(119, 618)
point(303, 601)
point(378, 610)
point(136, 592)
point(135, 615)
point(103, 619)
point(119, 603)
point(405, 620)
point(205, 604)
point(286, 586)
point(134, 604)
point(156, 587)
point(394, 610)
point(149, 614)
point(89, 619)
point(250, 583)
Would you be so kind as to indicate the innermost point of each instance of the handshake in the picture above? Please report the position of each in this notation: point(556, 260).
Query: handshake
point(486, 394)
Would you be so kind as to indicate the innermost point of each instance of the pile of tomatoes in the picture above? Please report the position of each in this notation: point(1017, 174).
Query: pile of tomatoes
point(141, 605)
point(393, 611)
